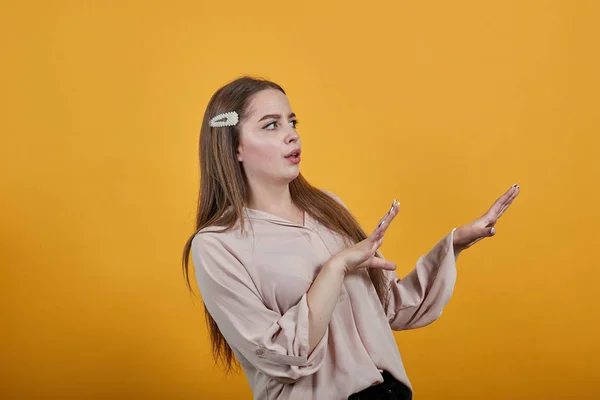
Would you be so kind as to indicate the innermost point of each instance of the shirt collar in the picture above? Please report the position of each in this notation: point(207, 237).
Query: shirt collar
point(264, 216)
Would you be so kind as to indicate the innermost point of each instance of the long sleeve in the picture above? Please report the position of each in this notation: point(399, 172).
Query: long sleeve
point(418, 299)
point(275, 344)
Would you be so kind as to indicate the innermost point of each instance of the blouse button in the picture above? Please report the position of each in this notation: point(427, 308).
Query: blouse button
point(259, 352)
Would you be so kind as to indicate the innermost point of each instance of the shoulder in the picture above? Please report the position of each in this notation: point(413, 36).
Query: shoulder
point(213, 238)
point(205, 241)
point(233, 240)
point(216, 252)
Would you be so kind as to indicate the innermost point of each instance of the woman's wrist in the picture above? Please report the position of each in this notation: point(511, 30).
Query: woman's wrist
point(337, 264)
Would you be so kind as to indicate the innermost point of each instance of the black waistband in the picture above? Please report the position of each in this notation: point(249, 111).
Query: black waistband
point(390, 386)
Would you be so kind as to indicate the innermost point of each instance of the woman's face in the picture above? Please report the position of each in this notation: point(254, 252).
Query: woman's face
point(268, 136)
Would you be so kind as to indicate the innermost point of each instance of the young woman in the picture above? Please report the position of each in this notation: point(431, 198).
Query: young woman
point(292, 286)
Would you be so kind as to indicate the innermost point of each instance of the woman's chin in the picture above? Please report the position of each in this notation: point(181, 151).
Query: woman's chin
point(291, 175)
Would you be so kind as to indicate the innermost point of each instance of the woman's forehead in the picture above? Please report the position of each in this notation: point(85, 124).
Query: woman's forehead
point(269, 101)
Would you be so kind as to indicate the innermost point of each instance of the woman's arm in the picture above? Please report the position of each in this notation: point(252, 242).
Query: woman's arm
point(419, 298)
point(275, 343)
point(285, 346)
point(323, 294)
point(322, 298)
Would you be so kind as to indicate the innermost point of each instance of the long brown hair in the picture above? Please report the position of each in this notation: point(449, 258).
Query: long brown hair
point(222, 185)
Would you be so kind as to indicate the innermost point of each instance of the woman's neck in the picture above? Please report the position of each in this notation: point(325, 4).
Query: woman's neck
point(275, 200)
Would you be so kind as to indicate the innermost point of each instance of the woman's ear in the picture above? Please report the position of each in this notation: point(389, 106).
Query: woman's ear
point(239, 156)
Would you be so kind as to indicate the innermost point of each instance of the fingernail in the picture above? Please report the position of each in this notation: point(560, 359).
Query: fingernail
point(392, 207)
point(515, 185)
point(492, 231)
point(381, 223)
point(518, 187)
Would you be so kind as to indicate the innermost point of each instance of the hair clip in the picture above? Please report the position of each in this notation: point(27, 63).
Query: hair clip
point(225, 119)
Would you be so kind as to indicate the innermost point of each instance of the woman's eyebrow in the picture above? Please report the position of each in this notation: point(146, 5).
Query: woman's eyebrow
point(276, 116)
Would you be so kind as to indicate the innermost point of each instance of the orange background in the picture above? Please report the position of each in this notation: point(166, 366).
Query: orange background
point(441, 104)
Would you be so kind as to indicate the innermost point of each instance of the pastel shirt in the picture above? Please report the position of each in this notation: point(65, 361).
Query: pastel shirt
point(255, 285)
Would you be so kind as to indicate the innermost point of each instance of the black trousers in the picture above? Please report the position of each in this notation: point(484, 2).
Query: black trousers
point(389, 389)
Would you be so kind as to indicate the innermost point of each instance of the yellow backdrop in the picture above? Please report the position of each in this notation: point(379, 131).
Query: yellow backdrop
point(441, 104)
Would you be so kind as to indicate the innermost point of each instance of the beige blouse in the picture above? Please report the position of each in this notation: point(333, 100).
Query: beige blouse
point(254, 286)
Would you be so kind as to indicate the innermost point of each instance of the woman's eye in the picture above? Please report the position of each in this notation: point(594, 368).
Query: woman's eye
point(273, 125)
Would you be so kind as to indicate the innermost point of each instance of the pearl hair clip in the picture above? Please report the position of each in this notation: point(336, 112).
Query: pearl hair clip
point(225, 119)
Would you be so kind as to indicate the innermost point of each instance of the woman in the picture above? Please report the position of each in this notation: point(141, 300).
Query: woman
point(292, 286)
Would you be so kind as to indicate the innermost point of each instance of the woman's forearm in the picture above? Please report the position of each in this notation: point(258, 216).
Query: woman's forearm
point(322, 298)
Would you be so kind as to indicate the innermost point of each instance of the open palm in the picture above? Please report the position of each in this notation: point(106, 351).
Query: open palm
point(466, 236)
point(362, 254)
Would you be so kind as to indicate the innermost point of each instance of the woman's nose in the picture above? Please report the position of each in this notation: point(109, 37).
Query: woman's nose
point(292, 137)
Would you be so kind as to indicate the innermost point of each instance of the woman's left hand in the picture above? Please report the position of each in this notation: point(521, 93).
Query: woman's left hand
point(466, 236)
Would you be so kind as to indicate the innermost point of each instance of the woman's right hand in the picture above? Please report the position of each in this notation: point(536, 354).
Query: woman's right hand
point(362, 254)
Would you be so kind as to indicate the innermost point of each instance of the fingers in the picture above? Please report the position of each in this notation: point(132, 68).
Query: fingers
point(503, 209)
point(503, 202)
point(384, 223)
point(512, 193)
point(377, 262)
point(376, 244)
point(393, 210)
